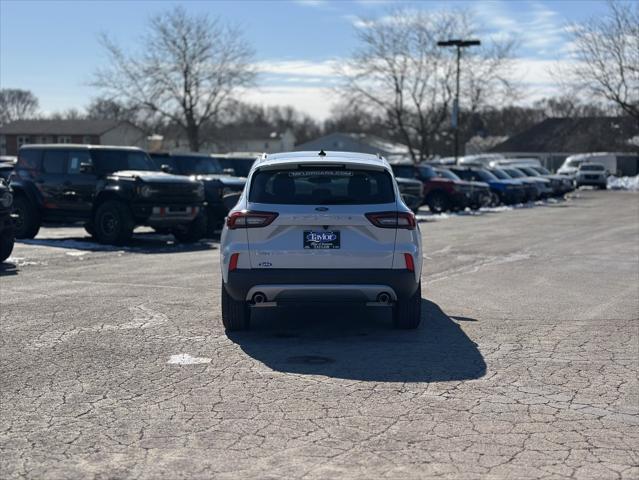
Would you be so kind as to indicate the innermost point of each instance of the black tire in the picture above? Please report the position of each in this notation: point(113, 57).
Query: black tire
point(27, 220)
point(408, 313)
point(113, 223)
point(438, 202)
point(236, 315)
point(603, 187)
point(6, 245)
point(191, 232)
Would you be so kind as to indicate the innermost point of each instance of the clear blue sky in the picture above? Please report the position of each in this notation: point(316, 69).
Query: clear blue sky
point(51, 47)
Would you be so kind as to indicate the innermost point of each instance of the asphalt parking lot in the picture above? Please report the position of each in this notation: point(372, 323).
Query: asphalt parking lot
point(114, 363)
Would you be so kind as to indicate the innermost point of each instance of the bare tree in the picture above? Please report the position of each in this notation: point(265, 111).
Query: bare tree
point(400, 74)
point(68, 114)
point(16, 104)
point(102, 108)
point(188, 69)
point(607, 56)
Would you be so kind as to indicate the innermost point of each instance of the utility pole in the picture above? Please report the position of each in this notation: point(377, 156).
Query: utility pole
point(459, 44)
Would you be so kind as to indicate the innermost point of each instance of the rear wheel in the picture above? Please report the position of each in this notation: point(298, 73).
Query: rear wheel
point(27, 218)
point(236, 315)
point(408, 313)
point(113, 223)
point(437, 202)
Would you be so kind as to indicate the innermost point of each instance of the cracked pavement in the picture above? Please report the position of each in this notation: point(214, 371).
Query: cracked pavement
point(114, 363)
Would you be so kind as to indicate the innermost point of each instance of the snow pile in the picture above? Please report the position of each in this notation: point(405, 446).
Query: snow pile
point(624, 183)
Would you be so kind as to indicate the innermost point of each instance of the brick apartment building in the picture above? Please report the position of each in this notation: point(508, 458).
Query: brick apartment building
point(95, 132)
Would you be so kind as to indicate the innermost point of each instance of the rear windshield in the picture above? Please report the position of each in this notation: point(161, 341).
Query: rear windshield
point(426, 172)
point(108, 161)
point(514, 173)
point(321, 187)
point(541, 170)
point(241, 166)
point(447, 174)
point(529, 171)
point(196, 165)
point(404, 171)
point(485, 175)
point(592, 168)
point(500, 174)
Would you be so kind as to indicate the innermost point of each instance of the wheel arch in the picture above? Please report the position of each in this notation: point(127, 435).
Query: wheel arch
point(107, 196)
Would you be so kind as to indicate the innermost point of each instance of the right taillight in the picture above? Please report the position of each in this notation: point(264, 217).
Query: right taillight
point(392, 219)
point(249, 219)
point(410, 264)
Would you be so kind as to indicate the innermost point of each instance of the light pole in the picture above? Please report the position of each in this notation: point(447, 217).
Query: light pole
point(459, 44)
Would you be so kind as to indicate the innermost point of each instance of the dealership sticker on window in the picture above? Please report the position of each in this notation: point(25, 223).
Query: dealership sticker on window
point(321, 173)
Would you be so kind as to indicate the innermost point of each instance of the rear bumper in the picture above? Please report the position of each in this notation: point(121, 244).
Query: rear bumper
point(326, 285)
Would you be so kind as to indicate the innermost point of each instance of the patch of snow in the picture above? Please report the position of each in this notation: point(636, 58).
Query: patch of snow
point(22, 262)
point(186, 359)
point(76, 253)
point(624, 183)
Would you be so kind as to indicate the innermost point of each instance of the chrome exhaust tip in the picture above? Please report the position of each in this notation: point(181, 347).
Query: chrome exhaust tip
point(383, 298)
point(258, 298)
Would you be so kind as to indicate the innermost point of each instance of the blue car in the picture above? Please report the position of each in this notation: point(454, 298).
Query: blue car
point(504, 191)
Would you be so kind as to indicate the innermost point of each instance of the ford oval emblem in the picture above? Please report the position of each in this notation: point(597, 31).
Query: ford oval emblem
point(321, 209)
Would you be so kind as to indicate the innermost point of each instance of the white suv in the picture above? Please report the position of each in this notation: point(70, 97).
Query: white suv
point(320, 227)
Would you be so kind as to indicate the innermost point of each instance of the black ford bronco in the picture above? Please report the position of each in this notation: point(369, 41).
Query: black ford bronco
point(6, 222)
point(111, 189)
point(217, 182)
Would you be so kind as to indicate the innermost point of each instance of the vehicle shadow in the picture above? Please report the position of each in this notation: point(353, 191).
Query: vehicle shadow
point(360, 344)
point(139, 243)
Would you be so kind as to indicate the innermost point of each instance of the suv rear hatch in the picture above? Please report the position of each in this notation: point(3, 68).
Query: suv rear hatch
point(322, 217)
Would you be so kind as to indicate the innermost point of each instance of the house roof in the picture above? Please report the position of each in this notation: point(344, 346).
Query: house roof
point(59, 127)
point(574, 135)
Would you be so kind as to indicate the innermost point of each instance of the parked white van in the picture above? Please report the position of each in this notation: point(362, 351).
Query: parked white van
point(570, 166)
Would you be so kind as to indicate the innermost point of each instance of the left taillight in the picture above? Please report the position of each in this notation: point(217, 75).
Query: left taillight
point(249, 219)
point(392, 219)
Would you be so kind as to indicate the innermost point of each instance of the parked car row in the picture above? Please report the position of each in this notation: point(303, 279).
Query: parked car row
point(112, 190)
point(452, 187)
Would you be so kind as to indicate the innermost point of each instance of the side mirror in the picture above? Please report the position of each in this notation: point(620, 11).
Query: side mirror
point(229, 171)
point(231, 199)
point(166, 168)
point(86, 167)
